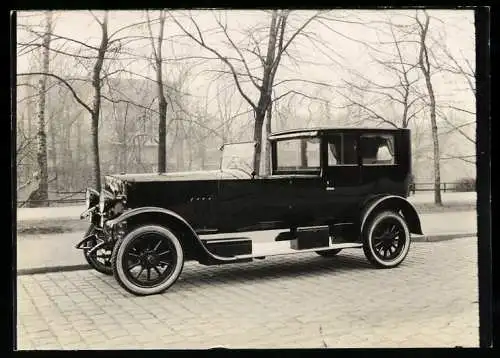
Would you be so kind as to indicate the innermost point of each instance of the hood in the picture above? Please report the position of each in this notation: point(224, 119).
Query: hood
point(225, 174)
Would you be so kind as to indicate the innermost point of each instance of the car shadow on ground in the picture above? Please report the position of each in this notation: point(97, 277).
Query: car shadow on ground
point(195, 275)
point(270, 269)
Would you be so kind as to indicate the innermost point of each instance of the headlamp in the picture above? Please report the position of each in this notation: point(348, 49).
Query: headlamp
point(103, 199)
point(91, 198)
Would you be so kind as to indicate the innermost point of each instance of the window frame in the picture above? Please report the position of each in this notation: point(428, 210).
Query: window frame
point(313, 171)
point(326, 141)
point(394, 156)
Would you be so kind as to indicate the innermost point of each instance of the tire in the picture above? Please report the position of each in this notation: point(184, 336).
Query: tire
point(150, 248)
point(329, 253)
point(98, 260)
point(385, 232)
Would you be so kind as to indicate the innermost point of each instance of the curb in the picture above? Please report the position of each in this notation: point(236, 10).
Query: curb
point(51, 269)
point(443, 237)
point(68, 268)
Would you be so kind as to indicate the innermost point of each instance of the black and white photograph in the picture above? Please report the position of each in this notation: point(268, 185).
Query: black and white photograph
point(242, 179)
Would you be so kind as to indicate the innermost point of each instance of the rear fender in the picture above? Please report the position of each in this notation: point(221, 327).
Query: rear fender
point(190, 240)
point(394, 203)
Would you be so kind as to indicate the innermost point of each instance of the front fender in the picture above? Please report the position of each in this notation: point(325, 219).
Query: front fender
point(392, 202)
point(179, 220)
point(144, 210)
point(87, 243)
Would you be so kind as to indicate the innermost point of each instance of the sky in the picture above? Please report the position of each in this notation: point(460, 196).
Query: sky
point(344, 54)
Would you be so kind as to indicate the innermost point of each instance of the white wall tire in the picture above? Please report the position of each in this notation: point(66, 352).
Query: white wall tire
point(156, 255)
point(386, 240)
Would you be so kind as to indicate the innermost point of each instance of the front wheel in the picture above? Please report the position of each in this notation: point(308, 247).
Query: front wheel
point(148, 260)
point(386, 240)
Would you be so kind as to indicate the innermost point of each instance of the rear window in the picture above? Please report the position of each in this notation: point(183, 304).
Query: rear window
point(377, 149)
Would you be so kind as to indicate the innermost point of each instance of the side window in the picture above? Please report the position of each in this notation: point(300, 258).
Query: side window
point(342, 150)
point(377, 149)
point(334, 147)
point(298, 154)
point(349, 146)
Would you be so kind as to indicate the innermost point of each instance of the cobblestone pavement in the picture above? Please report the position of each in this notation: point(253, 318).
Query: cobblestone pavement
point(282, 302)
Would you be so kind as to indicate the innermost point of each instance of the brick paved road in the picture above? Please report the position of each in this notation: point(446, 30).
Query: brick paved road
point(289, 301)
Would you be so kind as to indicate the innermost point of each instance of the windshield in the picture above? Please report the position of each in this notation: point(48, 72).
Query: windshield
point(238, 156)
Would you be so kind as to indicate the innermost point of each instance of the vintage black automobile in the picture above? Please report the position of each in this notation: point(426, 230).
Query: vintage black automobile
point(329, 189)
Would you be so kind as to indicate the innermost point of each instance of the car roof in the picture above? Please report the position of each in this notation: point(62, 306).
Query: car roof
point(318, 131)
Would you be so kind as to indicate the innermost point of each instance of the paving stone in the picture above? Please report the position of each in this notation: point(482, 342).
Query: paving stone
point(280, 302)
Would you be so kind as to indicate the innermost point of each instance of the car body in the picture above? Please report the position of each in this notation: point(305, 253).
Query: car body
point(329, 189)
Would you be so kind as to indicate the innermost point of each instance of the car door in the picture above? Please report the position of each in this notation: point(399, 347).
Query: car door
point(252, 204)
point(380, 173)
point(341, 175)
point(298, 160)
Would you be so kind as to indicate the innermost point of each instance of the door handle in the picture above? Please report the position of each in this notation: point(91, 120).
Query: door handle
point(329, 185)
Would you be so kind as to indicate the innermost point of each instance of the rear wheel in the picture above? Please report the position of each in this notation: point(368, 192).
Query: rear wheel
point(329, 253)
point(386, 240)
point(148, 260)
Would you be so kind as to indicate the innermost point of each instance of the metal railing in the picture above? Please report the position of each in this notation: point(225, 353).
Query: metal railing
point(445, 187)
point(69, 197)
point(78, 197)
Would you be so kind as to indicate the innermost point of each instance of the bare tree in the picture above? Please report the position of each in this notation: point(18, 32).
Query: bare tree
point(97, 58)
point(461, 68)
point(425, 67)
point(276, 48)
point(42, 191)
point(402, 93)
point(162, 101)
point(267, 144)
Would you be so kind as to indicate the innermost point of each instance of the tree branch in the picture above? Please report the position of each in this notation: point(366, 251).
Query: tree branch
point(249, 74)
point(202, 43)
point(63, 81)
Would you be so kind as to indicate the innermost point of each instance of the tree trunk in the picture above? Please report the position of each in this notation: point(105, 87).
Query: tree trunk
point(267, 144)
point(257, 137)
point(426, 68)
point(79, 150)
point(96, 168)
point(96, 105)
point(202, 154)
point(265, 97)
point(162, 102)
point(123, 140)
point(435, 145)
point(162, 132)
point(190, 156)
point(53, 151)
point(68, 155)
point(41, 135)
point(180, 150)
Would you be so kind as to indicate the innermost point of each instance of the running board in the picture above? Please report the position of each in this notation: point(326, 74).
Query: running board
point(260, 250)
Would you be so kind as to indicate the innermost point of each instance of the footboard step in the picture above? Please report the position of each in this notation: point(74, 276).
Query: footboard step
point(230, 247)
point(260, 250)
